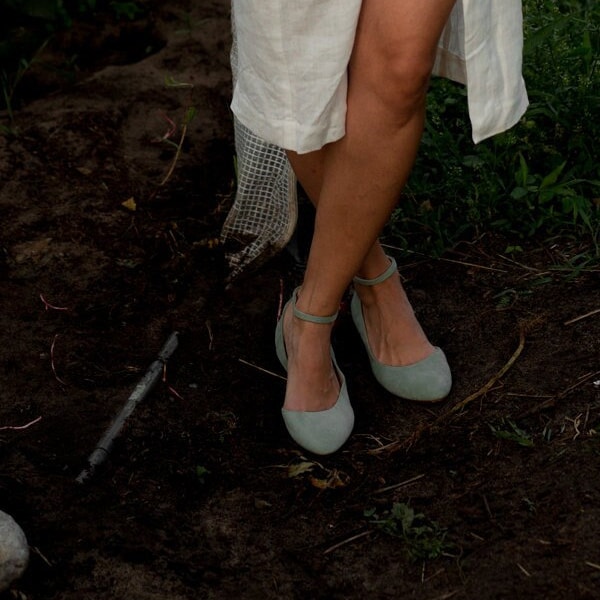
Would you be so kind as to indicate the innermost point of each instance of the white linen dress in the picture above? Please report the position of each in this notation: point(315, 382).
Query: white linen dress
point(289, 63)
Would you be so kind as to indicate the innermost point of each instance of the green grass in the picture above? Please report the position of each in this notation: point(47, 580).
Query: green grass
point(509, 430)
point(540, 178)
point(423, 539)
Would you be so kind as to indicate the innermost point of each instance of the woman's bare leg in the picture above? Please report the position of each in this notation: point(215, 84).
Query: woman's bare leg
point(395, 335)
point(362, 176)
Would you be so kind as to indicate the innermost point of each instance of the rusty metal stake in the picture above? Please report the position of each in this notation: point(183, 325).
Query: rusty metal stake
point(142, 389)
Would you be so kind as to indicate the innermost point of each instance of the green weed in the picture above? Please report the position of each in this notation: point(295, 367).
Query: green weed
point(201, 473)
point(529, 505)
point(540, 178)
point(128, 10)
point(423, 539)
point(44, 10)
point(9, 81)
point(188, 117)
point(509, 430)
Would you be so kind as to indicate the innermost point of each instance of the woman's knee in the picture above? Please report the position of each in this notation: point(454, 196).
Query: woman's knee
point(406, 77)
point(395, 50)
point(398, 80)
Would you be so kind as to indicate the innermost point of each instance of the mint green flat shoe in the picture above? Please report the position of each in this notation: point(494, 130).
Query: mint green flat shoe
point(323, 431)
point(427, 380)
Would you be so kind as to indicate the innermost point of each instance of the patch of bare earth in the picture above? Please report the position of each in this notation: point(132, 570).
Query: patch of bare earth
point(204, 494)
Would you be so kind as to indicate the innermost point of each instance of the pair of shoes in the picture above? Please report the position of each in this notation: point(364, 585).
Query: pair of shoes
point(324, 431)
point(427, 380)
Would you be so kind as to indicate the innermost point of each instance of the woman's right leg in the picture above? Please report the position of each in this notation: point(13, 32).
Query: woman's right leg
point(395, 335)
point(362, 177)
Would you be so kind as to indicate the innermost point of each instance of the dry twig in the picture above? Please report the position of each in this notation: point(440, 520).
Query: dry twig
point(245, 362)
point(174, 392)
point(175, 158)
point(414, 438)
point(52, 365)
point(49, 306)
point(189, 115)
point(280, 305)
point(581, 317)
point(172, 128)
point(210, 335)
point(20, 427)
point(170, 388)
point(514, 262)
point(524, 570)
point(350, 539)
point(552, 400)
point(449, 260)
point(398, 485)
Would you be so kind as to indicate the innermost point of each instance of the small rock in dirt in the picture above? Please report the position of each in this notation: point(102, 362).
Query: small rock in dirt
point(14, 551)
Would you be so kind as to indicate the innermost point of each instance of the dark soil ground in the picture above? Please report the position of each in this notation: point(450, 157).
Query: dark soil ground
point(204, 494)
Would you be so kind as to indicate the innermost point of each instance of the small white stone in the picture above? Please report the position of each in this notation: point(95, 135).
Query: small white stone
point(14, 551)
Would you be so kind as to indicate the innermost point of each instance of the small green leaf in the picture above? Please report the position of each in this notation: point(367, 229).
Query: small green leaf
point(518, 193)
point(513, 433)
point(170, 81)
point(552, 178)
point(190, 113)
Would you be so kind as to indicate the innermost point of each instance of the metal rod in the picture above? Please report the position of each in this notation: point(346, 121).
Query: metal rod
point(142, 389)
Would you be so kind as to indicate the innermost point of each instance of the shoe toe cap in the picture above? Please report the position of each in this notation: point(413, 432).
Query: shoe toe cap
point(428, 380)
point(321, 432)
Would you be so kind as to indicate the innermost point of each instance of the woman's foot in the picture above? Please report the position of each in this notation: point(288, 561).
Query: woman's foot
point(312, 383)
point(317, 411)
point(402, 359)
point(394, 333)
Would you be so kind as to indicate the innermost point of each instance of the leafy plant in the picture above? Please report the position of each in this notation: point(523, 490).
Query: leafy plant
point(509, 430)
point(10, 81)
point(188, 117)
point(424, 539)
point(129, 10)
point(201, 473)
point(540, 178)
point(47, 10)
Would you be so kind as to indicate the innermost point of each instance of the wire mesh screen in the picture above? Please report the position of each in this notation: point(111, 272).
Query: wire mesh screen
point(264, 212)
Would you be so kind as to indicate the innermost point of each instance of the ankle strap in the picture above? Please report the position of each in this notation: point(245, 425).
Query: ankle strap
point(385, 275)
point(308, 317)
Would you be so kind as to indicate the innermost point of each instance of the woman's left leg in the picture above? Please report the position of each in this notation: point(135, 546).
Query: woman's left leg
point(396, 337)
point(363, 174)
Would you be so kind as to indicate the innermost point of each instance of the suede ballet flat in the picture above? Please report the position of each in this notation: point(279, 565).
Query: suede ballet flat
point(323, 431)
point(427, 380)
